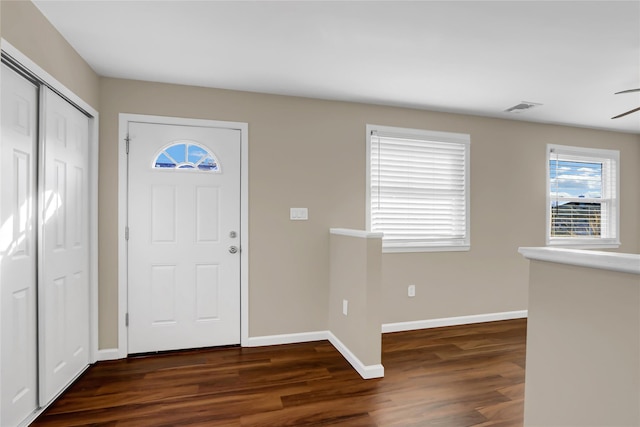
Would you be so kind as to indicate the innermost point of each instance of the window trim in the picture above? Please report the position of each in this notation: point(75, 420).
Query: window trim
point(443, 245)
point(584, 242)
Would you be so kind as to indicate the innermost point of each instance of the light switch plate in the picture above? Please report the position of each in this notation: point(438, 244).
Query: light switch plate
point(411, 291)
point(299, 214)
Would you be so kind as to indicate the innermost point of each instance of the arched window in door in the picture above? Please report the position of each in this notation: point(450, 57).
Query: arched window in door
point(187, 155)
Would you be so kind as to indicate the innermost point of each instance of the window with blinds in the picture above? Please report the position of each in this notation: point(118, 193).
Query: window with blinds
point(582, 196)
point(418, 189)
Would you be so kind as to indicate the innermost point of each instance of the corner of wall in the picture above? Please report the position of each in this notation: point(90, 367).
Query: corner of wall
point(354, 293)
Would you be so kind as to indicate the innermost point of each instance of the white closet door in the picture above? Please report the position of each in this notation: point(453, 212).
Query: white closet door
point(18, 247)
point(63, 283)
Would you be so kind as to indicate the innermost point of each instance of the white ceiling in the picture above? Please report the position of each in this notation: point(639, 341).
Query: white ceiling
point(477, 57)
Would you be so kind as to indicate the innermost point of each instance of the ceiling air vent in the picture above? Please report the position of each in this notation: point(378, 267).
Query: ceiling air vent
point(523, 106)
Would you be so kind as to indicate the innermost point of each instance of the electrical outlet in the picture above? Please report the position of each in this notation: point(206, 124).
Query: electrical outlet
point(345, 307)
point(411, 291)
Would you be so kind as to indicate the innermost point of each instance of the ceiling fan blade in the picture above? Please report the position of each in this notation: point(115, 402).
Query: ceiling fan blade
point(627, 91)
point(628, 112)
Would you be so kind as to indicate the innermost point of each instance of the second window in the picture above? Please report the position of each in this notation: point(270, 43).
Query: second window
point(418, 189)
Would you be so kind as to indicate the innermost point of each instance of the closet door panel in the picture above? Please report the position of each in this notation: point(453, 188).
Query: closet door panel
point(64, 261)
point(18, 248)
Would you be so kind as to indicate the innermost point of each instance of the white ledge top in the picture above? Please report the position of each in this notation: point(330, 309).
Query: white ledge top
point(614, 261)
point(356, 233)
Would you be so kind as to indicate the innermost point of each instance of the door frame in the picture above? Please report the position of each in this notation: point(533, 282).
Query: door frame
point(123, 184)
point(47, 79)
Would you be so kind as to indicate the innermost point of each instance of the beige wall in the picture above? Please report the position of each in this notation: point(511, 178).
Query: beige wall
point(355, 266)
point(507, 211)
point(29, 31)
point(311, 153)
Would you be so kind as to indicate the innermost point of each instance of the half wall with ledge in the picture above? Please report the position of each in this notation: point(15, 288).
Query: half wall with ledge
point(354, 298)
point(583, 338)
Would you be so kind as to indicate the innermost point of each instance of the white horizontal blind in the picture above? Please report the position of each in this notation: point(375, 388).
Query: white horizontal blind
point(583, 195)
point(419, 189)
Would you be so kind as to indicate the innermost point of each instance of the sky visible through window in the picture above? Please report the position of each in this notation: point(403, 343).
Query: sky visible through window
point(186, 156)
point(575, 179)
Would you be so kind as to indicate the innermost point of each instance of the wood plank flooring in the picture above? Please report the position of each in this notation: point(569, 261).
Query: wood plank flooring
point(459, 376)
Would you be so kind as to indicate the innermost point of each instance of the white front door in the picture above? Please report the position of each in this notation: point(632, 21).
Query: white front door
point(18, 247)
point(63, 285)
point(184, 237)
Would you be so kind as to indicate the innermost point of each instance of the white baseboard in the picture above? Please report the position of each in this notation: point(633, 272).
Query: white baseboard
point(365, 371)
point(109, 354)
point(286, 339)
point(31, 418)
point(114, 353)
point(39, 411)
point(452, 321)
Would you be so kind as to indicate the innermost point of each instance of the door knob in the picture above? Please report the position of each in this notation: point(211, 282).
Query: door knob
point(233, 249)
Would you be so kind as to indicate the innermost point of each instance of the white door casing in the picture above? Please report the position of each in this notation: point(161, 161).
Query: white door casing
point(64, 273)
point(18, 247)
point(183, 280)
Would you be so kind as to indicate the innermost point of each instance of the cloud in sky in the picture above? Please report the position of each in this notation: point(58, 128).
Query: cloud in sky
point(575, 179)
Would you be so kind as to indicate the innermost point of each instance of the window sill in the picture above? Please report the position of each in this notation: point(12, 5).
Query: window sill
point(409, 249)
point(614, 261)
point(590, 244)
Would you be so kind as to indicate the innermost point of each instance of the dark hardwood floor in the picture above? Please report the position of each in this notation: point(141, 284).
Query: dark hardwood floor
point(458, 376)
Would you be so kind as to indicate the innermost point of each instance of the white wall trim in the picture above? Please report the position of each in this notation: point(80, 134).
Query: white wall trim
point(356, 233)
point(109, 354)
point(452, 321)
point(614, 261)
point(375, 371)
point(31, 418)
point(286, 339)
point(124, 119)
point(366, 371)
point(43, 75)
point(41, 409)
point(1, 374)
point(94, 120)
point(122, 243)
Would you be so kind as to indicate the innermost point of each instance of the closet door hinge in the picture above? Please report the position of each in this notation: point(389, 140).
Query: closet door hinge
point(126, 233)
point(127, 141)
point(126, 319)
